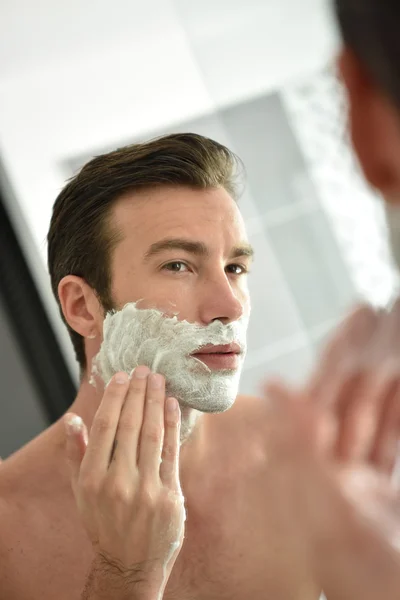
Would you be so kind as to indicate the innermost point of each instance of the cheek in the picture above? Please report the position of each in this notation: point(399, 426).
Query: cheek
point(166, 293)
point(166, 298)
point(132, 285)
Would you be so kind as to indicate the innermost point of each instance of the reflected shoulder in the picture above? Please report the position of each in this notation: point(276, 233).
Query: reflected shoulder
point(248, 411)
point(251, 405)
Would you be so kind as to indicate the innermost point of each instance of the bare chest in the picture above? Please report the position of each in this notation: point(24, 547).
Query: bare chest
point(237, 543)
point(221, 559)
point(237, 561)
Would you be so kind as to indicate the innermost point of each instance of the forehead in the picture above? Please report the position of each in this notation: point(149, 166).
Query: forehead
point(211, 216)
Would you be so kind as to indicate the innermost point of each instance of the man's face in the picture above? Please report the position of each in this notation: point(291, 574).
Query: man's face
point(184, 252)
point(180, 290)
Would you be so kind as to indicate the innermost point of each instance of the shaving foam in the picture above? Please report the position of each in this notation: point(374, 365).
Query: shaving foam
point(133, 337)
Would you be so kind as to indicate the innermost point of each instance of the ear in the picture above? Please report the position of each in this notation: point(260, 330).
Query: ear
point(374, 126)
point(80, 305)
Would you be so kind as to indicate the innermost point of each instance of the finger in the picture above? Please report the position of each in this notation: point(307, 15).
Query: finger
point(104, 427)
point(130, 422)
point(386, 341)
point(344, 346)
point(385, 449)
point(169, 468)
point(338, 391)
point(395, 471)
point(152, 433)
point(76, 443)
point(360, 419)
point(326, 434)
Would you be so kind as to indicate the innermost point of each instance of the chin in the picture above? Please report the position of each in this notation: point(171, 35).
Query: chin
point(206, 408)
point(215, 393)
point(214, 399)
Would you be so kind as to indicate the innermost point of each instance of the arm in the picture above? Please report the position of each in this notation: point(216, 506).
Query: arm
point(108, 580)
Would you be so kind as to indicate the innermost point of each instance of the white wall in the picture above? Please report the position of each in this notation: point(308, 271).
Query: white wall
point(76, 76)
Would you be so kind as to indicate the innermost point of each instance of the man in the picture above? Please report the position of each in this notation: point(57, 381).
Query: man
point(359, 374)
point(350, 515)
point(156, 225)
point(354, 560)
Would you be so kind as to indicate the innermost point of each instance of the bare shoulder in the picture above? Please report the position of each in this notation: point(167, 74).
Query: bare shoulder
point(9, 536)
point(18, 517)
point(7, 501)
point(244, 423)
point(7, 525)
point(249, 403)
point(249, 409)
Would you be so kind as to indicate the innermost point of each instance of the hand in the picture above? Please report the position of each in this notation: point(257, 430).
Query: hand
point(358, 379)
point(349, 517)
point(130, 502)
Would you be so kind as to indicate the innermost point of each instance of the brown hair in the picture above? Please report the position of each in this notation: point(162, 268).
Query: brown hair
point(81, 237)
point(371, 29)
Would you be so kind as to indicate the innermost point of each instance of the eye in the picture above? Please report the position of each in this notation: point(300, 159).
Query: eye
point(237, 269)
point(176, 267)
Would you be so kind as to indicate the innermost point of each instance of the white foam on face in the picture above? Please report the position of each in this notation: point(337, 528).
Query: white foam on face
point(134, 336)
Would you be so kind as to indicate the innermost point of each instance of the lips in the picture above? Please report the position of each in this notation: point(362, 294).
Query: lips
point(219, 357)
point(226, 349)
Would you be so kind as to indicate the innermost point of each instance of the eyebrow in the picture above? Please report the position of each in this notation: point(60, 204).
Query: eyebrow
point(196, 248)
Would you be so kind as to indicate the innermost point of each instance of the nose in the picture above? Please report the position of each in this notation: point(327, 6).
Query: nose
point(221, 301)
